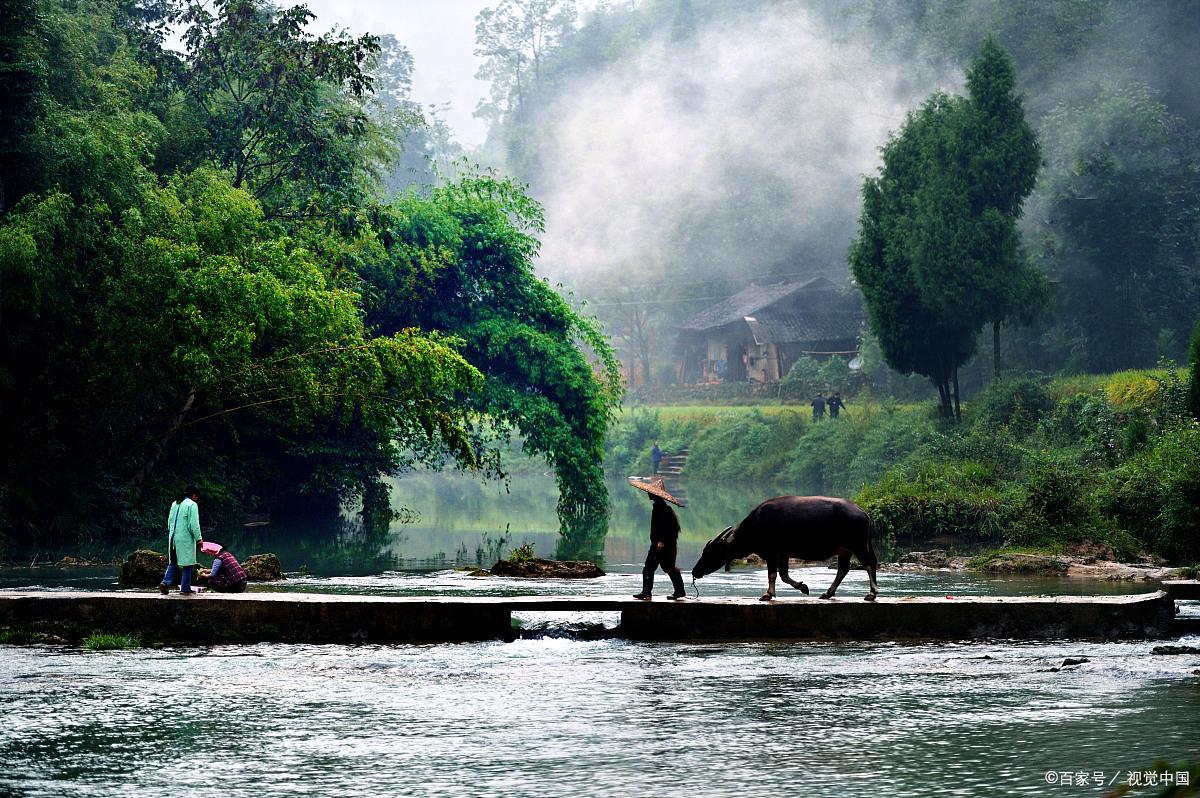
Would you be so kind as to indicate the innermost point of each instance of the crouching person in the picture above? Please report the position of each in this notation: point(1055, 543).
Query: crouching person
point(227, 575)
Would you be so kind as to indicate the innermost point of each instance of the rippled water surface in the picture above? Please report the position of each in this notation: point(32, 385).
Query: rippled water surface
point(558, 716)
point(555, 717)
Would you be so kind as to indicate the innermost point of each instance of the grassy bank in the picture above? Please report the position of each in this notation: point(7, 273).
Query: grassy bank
point(1108, 462)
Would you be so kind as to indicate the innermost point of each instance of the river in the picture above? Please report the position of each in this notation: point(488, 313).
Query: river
point(559, 713)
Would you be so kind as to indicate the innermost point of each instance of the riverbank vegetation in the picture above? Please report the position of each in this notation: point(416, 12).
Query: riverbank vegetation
point(204, 280)
point(1108, 462)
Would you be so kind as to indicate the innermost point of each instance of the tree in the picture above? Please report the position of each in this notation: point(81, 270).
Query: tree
point(181, 299)
point(282, 109)
point(148, 322)
point(21, 81)
point(427, 144)
point(1194, 382)
point(513, 39)
point(915, 337)
point(631, 316)
point(461, 262)
point(1121, 234)
point(1003, 167)
point(938, 252)
point(185, 331)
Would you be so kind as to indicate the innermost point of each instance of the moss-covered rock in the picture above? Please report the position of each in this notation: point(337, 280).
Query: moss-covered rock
point(1018, 563)
point(934, 558)
point(143, 568)
point(263, 568)
point(538, 568)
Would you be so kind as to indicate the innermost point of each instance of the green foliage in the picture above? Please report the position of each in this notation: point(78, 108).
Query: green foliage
point(1018, 403)
point(280, 108)
point(1028, 471)
point(521, 554)
point(938, 252)
point(1193, 401)
point(206, 323)
point(808, 375)
point(929, 499)
point(1121, 202)
point(16, 637)
point(102, 641)
point(1156, 494)
point(460, 262)
point(199, 286)
point(1057, 503)
point(749, 446)
point(627, 447)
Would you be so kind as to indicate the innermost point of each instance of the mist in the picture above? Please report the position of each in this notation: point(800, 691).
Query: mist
point(739, 152)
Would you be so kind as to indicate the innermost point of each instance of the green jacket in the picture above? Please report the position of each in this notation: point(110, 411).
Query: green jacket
point(183, 529)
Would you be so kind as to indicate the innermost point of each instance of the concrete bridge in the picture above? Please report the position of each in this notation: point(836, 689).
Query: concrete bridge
point(324, 618)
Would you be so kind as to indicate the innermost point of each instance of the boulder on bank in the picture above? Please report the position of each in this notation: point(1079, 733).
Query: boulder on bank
point(538, 568)
point(1017, 563)
point(263, 568)
point(143, 568)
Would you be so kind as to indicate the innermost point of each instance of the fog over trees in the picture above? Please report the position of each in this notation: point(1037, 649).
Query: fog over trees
point(683, 148)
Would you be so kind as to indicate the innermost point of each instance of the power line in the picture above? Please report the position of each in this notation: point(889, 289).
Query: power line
point(767, 276)
point(640, 302)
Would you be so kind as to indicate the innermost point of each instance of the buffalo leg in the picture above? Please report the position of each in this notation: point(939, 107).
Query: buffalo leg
point(770, 594)
point(783, 574)
point(843, 569)
point(872, 563)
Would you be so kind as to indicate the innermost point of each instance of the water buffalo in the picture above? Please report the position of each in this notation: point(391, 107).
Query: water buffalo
point(803, 527)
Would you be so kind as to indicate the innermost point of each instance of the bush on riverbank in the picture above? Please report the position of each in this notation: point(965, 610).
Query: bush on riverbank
point(1049, 465)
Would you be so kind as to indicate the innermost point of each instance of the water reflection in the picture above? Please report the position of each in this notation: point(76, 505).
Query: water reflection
point(460, 520)
point(456, 512)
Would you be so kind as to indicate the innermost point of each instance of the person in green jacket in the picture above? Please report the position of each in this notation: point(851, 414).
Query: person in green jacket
point(183, 536)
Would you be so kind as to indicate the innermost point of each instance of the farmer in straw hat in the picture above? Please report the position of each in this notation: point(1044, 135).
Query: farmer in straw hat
point(664, 533)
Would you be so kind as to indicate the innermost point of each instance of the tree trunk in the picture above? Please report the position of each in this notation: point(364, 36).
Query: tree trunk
point(996, 350)
point(957, 406)
point(161, 446)
point(944, 398)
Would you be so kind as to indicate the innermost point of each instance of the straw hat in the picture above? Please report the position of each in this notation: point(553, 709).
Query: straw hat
point(654, 486)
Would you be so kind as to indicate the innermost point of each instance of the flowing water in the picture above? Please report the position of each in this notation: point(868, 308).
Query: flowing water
point(555, 714)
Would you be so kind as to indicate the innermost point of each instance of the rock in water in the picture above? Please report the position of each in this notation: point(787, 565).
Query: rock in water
point(1018, 563)
point(143, 568)
point(538, 568)
point(263, 568)
point(934, 558)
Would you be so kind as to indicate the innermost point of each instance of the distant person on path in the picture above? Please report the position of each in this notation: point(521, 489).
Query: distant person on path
point(664, 537)
point(835, 404)
point(656, 456)
point(227, 575)
point(818, 406)
point(183, 536)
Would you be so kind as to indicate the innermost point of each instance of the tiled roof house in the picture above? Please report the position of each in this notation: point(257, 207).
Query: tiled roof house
point(757, 334)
